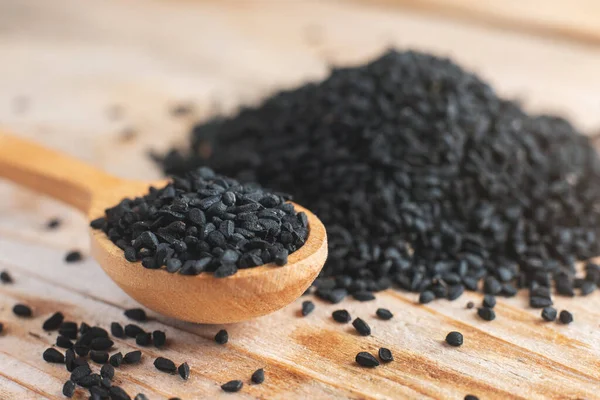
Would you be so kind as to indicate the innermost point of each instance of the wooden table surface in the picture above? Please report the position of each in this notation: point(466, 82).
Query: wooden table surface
point(64, 67)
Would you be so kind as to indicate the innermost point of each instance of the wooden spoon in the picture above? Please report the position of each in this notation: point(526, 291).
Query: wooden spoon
point(248, 294)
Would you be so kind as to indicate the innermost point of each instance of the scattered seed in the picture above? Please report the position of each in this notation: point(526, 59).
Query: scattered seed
point(107, 371)
point(143, 339)
point(165, 365)
point(53, 323)
point(52, 355)
point(471, 397)
point(21, 310)
point(258, 376)
point(132, 330)
point(73, 256)
point(222, 337)
point(361, 327)
point(81, 349)
point(90, 380)
point(64, 342)
point(565, 317)
point(116, 393)
point(68, 389)
point(70, 360)
point(117, 330)
point(470, 305)
point(100, 357)
point(486, 313)
point(116, 359)
point(489, 301)
point(232, 386)
point(68, 329)
point(385, 355)
point(184, 371)
point(133, 357)
point(363, 296)
point(5, 277)
point(307, 307)
point(384, 314)
point(341, 316)
point(53, 223)
point(159, 338)
point(365, 359)
point(454, 339)
point(549, 314)
point(79, 372)
point(140, 396)
point(136, 314)
point(426, 297)
point(101, 343)
point(99, 392)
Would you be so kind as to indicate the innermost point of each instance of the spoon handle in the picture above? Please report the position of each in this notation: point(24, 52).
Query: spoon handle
point(49, 172)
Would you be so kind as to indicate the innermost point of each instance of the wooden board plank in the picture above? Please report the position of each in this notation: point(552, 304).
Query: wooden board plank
point(74, 61)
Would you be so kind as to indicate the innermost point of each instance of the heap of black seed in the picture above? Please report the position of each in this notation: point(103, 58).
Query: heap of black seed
point(423, 176)
point(205, 222)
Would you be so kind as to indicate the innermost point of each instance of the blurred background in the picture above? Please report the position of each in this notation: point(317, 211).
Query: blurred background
point(109, 80)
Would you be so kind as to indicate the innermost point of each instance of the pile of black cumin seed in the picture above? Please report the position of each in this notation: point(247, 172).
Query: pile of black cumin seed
point(423, 177)
point(205, 222)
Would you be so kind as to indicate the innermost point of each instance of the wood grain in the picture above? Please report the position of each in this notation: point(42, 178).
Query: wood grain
point(75, 61)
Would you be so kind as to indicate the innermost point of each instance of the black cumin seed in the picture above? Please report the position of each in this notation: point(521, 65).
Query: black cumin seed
point(165, 365)
point(136, 314)
point(385, 355)
point(107, 371)
point(90, 380)
point(222, 337)
point(73, 256)
point(489, 301)
point(258, 376)
point(384, 313)
point(140, 396)
point(549, 314)
point(132, 357)
point(80, 361)
point(361, 327)
point(132, 330)
point(159, 338)
point(470, 305)
point(52, 355)
point(101, 343)
point(53, 323)
point(116, 393)
point(116, 359)
point(565, 317)
point(53, 223)
point(84, 328)
point(184, 371)
point(341, 316)
point(117, 330)
point(540, 302)
point(21, 310)
point(100, 357)
point(68, 329)
point(426, 297)
point(70, 360)
point(81, 349)
point(471, 397)
point(486, 313)
point(365, 359)
point(232, 386)
point(587, 287)
point(454, 339)
point(1, 327)
point(363, 295)
point(307, 307)
point(143, 339)
point(99, 393)
point(79, 372)
point(64, 342)
point(68, 389)
point(5, 277)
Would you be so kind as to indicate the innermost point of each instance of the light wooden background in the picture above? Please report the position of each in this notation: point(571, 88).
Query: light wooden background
point(64, 64)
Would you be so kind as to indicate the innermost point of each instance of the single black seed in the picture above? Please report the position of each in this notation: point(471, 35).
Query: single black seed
point(21, 310)
point(79, 372)
point(68, 389)
point(5, 277)
point(53, 223)
point(70, 360)
point(587, 287)
point(565, 317)
point(426, 297)
point(384, 313)
point(184, 371)
point(540, 302)
point(136, 314)
point(100, 357)
point(140, 396)
point(361, 327)
point(307, 307)
point(486, 313)
point(471, 397)
point(549, 313)
point(99, 392)
point(80, 361)
point(116, 393)
point(52, 355)
point(385, 355)
point(470, 305)
point(98, 223)
point(132, 330)
point(107, 371)
point(89, 381)
point(365, 359)
point(489, 301)
point(68, 329)
point(232, 386)
point(116, 359)
point(81, 350)
point(64, 342)
point(117, 330)
point(341, 316)
point(106, 383)
point(258, 376)
point(165, 365)
point(159, 338)
point(101, 343)
point(73, 256)
point(454, 339)
point(143, 339)
point(132, 357)
point(222, 337)
point(53, 323)
point(363, 296)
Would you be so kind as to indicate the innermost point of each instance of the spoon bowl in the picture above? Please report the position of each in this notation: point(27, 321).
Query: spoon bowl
point(249, 293)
